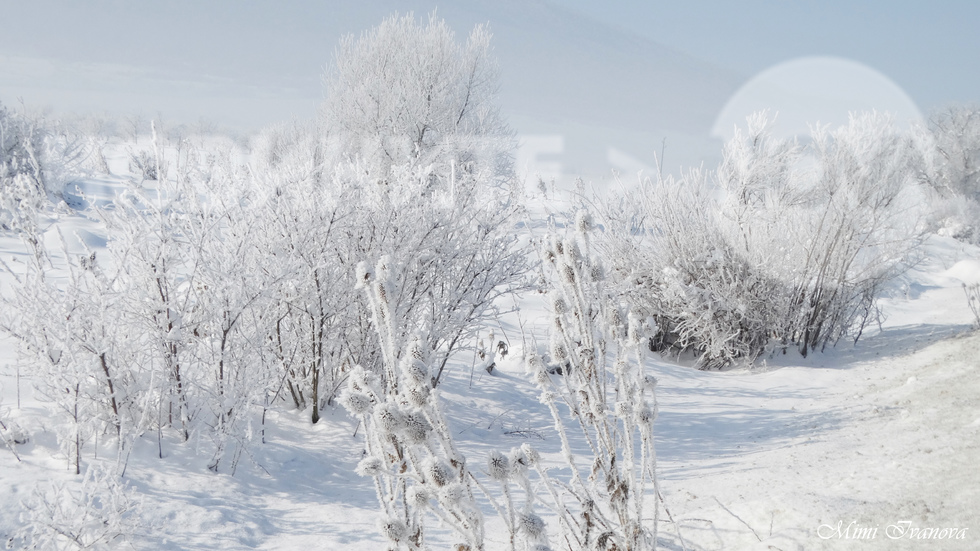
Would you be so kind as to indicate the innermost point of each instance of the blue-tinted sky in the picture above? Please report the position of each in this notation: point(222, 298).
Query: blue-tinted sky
point(931, 49)
point(612, 79)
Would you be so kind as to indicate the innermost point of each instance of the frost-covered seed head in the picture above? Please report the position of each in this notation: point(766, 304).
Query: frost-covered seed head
point(357, 403)
point(369, 466)
point(498, 467)
point(650, 382)
point(558, 304)
point(518, 462)
point(451, 494)
point(583, 221)
point(533, 364)
point(418, 496)
point(646, 414)
point(414, 369)
point(415, 350)
point(363, 275)
point(394, 529)
point(389, 417)
point(596, 272)
point(615, 317)
point(440, 473)
point(547, 397)
point(530, 454)
point(623, 409)
point(531, 525)
point(569, 273)
point(417, 427)
point(558, 350)
point(418, 395)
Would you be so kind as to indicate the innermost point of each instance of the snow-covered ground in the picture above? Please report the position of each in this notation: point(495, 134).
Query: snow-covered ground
point(876, 441)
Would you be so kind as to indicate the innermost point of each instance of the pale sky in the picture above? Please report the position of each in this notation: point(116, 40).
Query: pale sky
point(612, 79)
point(930, 49)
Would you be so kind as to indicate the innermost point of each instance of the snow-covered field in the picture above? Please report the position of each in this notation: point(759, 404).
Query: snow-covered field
point(876, 441)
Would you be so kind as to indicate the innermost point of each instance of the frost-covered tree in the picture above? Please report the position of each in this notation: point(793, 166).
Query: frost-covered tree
point(407, 92)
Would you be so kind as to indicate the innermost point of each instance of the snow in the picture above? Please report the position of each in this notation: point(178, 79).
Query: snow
point(777, 456)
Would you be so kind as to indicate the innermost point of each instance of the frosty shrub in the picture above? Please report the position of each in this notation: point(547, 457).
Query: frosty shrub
point(66, 329)
point(953, 168)
point(950, 168)
point(783, 245)
point(99, 513)
point(609, 500)
point(418, 470)
point(409, 450)
point(37, 158)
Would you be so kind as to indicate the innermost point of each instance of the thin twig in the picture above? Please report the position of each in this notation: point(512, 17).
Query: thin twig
point(738, 518)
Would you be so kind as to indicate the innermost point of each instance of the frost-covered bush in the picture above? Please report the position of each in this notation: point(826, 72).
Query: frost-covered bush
point(79, 356)
point(701, 287)
point(950, 167)
point(783, 245)
point(100, 513)
point(37, 158)
point(952, 164)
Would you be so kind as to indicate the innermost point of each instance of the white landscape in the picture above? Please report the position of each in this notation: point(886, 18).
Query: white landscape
point(372, 329)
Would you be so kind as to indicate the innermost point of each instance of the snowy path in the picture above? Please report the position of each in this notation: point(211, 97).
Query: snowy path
point(779, 455)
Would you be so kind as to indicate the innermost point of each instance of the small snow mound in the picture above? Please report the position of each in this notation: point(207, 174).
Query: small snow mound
point(967, 271)
point(911, 380)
